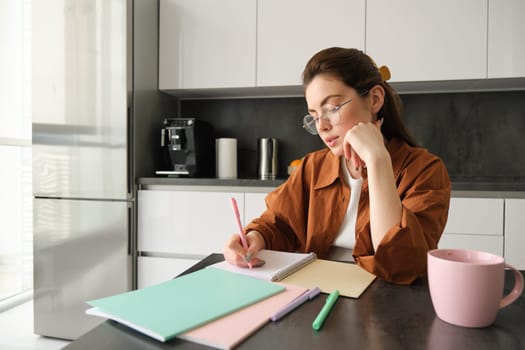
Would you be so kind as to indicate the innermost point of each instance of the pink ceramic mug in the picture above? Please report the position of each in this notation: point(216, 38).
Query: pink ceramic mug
point(466, 286)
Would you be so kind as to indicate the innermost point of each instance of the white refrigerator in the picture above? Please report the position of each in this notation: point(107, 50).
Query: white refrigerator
point(92, 89)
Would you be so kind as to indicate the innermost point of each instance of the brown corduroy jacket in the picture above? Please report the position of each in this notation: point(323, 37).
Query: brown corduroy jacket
point(306, 212)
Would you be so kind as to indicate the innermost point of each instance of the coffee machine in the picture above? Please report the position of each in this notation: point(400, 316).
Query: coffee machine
point(188, 145)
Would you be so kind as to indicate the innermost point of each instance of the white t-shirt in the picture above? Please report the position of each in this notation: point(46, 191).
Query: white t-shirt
point(346, 237)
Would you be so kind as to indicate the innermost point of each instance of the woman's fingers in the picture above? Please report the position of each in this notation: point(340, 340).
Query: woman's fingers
point(347, 149)
point(362, 140)
point(357, 162)
point(235, 253)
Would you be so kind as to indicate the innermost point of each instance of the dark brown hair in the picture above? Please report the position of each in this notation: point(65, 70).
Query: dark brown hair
point(358, 70)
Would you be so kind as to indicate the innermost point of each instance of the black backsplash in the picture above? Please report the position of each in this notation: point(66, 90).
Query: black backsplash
point(478, 135)
point(249, 119)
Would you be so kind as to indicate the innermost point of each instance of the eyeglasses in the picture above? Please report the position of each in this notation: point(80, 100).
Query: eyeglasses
point(330, 113)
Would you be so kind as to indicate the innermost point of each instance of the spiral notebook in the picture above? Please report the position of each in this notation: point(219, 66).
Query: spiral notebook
point(278, 266)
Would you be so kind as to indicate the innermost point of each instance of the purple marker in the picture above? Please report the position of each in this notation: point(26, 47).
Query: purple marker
point(307, 295)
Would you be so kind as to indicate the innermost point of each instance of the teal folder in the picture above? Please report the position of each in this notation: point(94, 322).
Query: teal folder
point(165, 310)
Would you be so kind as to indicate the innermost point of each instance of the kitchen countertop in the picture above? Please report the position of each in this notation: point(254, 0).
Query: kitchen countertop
point(188, 181)
point(459, 189)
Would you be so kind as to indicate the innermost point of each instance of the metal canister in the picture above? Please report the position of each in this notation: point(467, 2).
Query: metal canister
point(267, 154)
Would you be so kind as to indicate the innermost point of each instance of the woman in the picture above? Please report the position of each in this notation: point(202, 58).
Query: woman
point(372, 192)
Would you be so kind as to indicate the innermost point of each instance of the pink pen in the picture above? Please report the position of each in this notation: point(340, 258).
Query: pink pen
point(239, 226)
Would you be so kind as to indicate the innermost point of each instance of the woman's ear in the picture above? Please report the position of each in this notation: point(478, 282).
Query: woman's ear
point(377, 95)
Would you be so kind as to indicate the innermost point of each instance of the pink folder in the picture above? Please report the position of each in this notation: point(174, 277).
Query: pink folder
point(229, 331)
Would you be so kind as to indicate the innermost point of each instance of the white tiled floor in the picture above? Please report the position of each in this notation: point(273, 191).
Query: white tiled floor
point(16, 331)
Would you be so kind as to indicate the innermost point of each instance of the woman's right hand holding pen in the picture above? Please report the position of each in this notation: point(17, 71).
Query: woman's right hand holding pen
point(235, 254)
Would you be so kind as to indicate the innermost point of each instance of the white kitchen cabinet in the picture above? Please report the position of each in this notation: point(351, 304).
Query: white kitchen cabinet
point(475, 223)
point(240, 44)
point(428, 40)
point(290, 32)
point(515, 232)
point(177, 228)
point(207, 44)
point(254, 205)
point(490, 244)
point(154, 270)
point(185, 223)
point(506, 41)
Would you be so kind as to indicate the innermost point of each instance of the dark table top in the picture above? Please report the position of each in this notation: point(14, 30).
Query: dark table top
point(386, 316)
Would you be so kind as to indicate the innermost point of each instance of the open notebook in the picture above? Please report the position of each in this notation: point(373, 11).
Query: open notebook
point(278, 265)
point(168, 309)
point(307, 271)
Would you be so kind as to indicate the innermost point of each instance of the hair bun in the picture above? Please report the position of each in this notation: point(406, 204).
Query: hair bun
point(385, 73)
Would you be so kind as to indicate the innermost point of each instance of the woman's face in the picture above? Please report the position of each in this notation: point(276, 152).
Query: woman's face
point(324, 93)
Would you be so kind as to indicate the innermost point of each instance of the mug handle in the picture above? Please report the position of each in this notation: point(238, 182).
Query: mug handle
point(516, 291)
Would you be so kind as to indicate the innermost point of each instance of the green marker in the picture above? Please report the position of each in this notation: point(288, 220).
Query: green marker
point(330, 301)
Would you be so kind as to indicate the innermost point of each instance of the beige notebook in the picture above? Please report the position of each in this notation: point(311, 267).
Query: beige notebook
point(350, 279)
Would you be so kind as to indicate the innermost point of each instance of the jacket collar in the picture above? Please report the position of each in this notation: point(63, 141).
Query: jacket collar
point(331, 167)
point(399, 151)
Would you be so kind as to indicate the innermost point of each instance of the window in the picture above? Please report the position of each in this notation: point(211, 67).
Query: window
point(16, 224)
